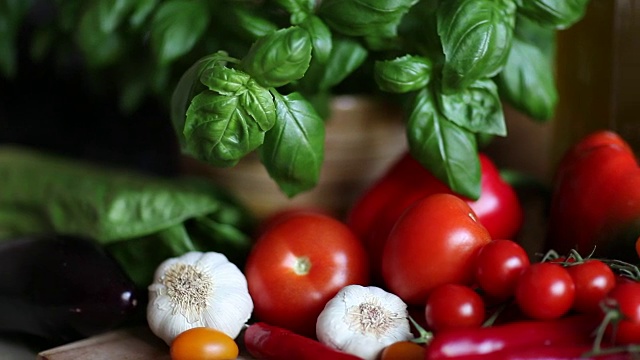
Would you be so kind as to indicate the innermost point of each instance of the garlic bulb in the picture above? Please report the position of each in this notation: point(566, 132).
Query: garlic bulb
point(198, 289)
point(363, 320)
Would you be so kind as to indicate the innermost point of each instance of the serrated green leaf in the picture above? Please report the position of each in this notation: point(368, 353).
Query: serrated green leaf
point(477, 108)
point(320, 38)
point(176, 27)
point(370, 18)
point(225, 80)
point(293, 150)
point(258, 103)
point(403, 74)
point(476, 38)
point(444, 148)
point(219, 130)
point(559, 14)
point(280, 57)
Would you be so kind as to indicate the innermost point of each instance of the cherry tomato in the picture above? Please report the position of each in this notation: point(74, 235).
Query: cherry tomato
point(626, 296)
point(638, 247)
point(593, 279)
point(202, 343)
point(298, 264)
point(498, 266)
point(453, 306)
point(403, 350)
point(434, 242)
point(545, 291)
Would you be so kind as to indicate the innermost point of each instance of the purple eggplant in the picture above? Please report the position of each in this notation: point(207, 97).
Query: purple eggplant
point(62, 288)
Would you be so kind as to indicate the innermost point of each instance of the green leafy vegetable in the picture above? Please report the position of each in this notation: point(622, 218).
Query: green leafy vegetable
point(293, 149)
point(560, 14)
point(141, 218)
point(446, 149)
point(400, 75)
point(11, 14)
point(476, 39)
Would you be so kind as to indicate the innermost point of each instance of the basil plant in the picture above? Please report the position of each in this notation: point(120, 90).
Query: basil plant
point(266, 69)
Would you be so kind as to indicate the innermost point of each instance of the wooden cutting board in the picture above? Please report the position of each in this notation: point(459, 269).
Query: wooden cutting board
point(126, 344)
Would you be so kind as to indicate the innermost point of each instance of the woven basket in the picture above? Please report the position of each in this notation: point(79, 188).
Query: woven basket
point(363, 137)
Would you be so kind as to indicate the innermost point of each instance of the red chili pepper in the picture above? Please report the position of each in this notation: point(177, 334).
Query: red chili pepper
point(264, 341)
point(570, 330)
point(374, 214)
point(595, 202)
point(550, 352)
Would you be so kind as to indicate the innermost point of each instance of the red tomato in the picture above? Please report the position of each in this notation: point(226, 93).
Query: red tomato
point(454, 306)
point(373, 216)
point(498, 267)
point(593, 279)
point(545, 291)
point(300, 263)
point(626, 296)
point(403, 350)
point(434, 242)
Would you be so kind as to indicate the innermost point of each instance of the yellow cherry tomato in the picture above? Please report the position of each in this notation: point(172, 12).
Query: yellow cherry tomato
point(403, 350)
point(202, 343)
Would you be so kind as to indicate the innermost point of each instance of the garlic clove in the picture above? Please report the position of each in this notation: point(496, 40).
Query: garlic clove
point(198, 289)
point(363, 321)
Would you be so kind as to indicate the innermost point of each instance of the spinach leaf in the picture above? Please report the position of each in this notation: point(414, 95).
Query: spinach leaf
point(141, 219)
point(477, 108)
point(220, 130)
point(444, 148)
point(559, 14)
point(279, 58)
point(368, 18)
point(293, 149)
point(403, 74)
point(476, 38)
point(527, 81)
point(176, 27)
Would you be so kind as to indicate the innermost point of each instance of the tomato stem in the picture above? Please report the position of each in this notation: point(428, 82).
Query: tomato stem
point(425, 336)
point(302, 265)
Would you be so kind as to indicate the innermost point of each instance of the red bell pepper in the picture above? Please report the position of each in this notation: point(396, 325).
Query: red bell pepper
point(512, 337)
point(498, 208)
point(595, 200)
point(264, 341)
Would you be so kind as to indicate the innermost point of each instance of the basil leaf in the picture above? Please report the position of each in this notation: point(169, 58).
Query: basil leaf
point(99, 48)
point(320, 38)
point(219, 130)
point(297, 6)
point(477, 108)
point(346, 56)
point(476, 38)
point(404, 74)
point(258, 103)
point(251, 24)
point(176, 27)
point(11, 14)
point(188, 86)
point(375, 18)
point(527, 81)
point(280, 57)
point(112, 13)
point(141, 12)
point(224, 80)
point(559, 14)
point(444, 148)
point(293, 150)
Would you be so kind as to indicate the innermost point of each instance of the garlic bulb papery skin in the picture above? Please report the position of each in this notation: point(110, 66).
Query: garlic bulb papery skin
point(363, 320)
point(198, 289)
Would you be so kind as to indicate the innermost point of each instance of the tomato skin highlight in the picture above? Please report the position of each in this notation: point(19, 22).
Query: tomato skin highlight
point(300, 263)
point(499, 264)
point(434, 242)
point(593, 279)
point(202, 343)
point(454, 306)
point(545, 291)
